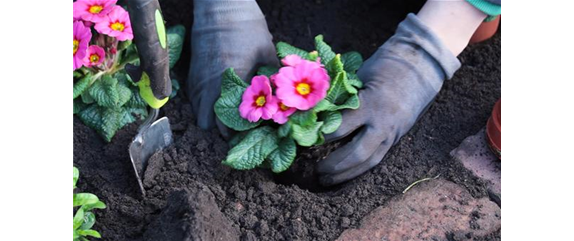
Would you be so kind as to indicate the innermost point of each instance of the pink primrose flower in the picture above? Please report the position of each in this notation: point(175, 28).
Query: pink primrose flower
point(258, 101)
point(283, 111)
point(302, 85)
point(116, 24)
point(93, 10)
point(82, 36)
point(95, 56)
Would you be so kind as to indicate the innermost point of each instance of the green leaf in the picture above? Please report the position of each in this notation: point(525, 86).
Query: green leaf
point(231, 82)
point(352, 61)
point(124, 44)
point(125, 94)
point(337, 92)
point(130, 56)
point(76, 176)
point(96, 205)
point(89, 232)
point(78, 106)
point(78, 218)
point(104, 120)
point(335, 66)
point(351, 103)
point(227, 106)
point(175, 38)
point(89, 220)
point(81, 85)
point(332, 120)
point(84, 199)
point(282, 157)
point(354, 80)
point(306, 135)
point(105, 92)
point(325, 51)
point(252, 150)
point(267, 71)
point(136, 101)
point(130, 115)
point(303, 118)
point(320, 140)
point(87, 98)
point(237, 138)
point(284, 129)
point(284, 49)
point(324, 105)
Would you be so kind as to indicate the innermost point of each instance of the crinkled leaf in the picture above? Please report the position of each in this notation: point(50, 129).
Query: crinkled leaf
point(267, 70)
point(87, 98)
point(324, 105)
point(237, 138)
point(354, 80)
point(349, 88)
point(351, 103)
point(105, 92)
point(337, 92)
point(231, 82)
point(253, 149)
point(332, 120)
point(124, 93)
point(306, 135)
point(352, 61)
point(84, 199)
point(335, 66)
point(81, 85)
point(284, 49)
point(284, 129)
point(78, 105)
point(136, 101)
point(304, 118)
point(104, 120)
point(282, 157)
point(324, 50)
point(175, 37)
point(130, 115)
point(227, 106)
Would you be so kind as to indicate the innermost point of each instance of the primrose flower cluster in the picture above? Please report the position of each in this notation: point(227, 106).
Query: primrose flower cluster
point(108, 19)
point(105, 97)
point(300, 85)
point(296, 104)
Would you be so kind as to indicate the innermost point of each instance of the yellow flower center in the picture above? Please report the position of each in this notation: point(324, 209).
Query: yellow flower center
point(95, 9)
point(303, 88)
point(260, 101)
point(283, 107)
point(117, 26)
point(76, 45)
point(94, 58)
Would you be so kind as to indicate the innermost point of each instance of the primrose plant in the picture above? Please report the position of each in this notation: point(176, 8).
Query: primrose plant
point(281, 107)
point(105, 97)
point(84, 218)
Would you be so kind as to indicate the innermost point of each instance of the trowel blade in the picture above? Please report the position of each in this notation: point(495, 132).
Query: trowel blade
point(148, 141)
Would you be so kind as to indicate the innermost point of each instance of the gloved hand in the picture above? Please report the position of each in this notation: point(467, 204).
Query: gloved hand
point(401, 80)
point(225, 33)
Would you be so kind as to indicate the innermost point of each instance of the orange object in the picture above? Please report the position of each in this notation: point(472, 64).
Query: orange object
point(493, 129)
point(485, 31)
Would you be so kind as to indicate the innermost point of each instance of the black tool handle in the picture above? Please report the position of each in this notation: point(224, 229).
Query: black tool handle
point(151, 42)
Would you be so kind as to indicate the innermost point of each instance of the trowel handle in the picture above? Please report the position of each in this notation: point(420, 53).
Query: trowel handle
point(151, 42)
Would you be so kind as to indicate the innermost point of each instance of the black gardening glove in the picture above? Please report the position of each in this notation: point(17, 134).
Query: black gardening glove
point(225, 33)
point(401, 80)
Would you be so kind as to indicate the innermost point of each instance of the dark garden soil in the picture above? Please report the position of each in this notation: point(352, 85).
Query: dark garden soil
point(258, 205)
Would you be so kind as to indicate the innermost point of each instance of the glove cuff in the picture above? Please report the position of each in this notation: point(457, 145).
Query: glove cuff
point(413, 31)
point(489, 7)
point(219, 12)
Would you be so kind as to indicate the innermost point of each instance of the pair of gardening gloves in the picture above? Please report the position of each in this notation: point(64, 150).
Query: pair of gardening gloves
point(400, 80)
